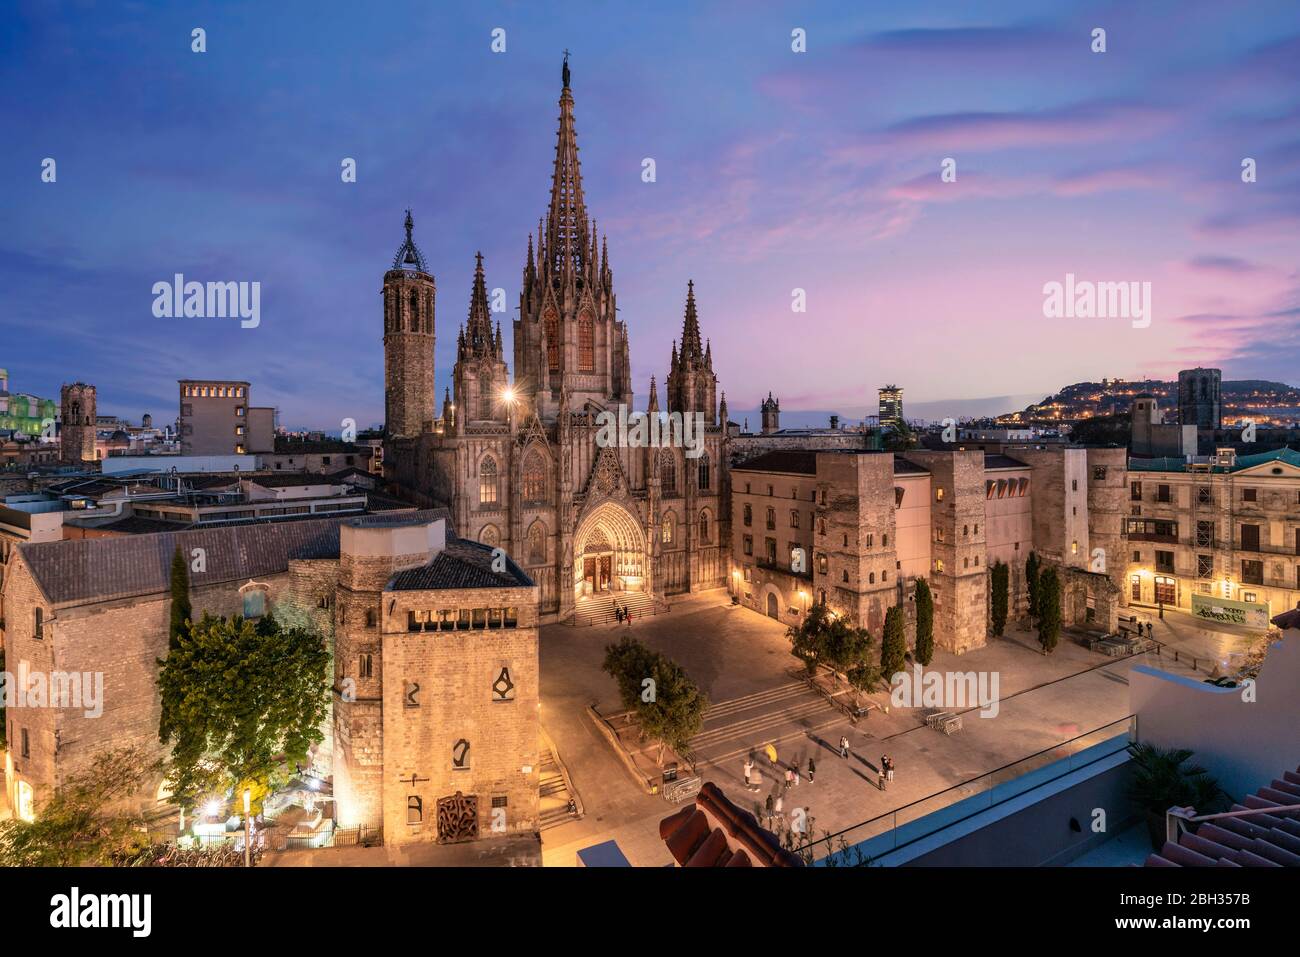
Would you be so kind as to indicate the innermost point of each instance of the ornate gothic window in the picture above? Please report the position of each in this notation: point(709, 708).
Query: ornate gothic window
point(586, 344)
point(490, 536)
point(536, 544)
point(704, 527)
point(668, 528)
point(487, 481)
point(552, 341)
point(667, 471)
point(704, 472)
point(534, 479)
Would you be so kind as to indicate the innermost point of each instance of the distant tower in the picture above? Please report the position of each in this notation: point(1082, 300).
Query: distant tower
point(147, 421)
point(771, 411)
point(77, 436)
point(1144, 415)
point(891, 405)
point(408, 341)
point(1198, 398)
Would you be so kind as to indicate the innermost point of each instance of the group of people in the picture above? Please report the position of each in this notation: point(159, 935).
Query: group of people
point(886, 773)
point(793, 778)
point(623, 614)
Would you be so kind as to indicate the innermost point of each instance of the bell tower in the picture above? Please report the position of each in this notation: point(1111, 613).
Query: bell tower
point(408, 292)
point(77, 434)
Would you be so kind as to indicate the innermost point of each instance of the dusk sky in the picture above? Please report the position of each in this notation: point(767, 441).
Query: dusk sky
point(776, 170)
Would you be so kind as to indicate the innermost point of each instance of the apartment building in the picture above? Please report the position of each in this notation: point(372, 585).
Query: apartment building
point(217, 419)
point(1218, 537)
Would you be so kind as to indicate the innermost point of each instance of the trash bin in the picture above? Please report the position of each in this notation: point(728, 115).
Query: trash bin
point(670, 772)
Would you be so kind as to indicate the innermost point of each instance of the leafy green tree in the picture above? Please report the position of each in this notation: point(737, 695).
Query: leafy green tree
point(240, 702)
point(1049, 611)
point(893, 646)
point(1031, 583)
point(899, 438)
point(924, 622)
point(1103, 430)
point(82, 823)
point(629, 663)
point(181, 611)
point(829, 639)
point(675, 712)
point(1001, 583)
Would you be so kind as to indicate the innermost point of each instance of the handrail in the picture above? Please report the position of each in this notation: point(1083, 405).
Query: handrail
point(965, 784)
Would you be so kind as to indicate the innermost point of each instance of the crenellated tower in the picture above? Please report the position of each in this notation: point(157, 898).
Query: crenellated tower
point(408, 341)
point(568, 336)
point(77, 429)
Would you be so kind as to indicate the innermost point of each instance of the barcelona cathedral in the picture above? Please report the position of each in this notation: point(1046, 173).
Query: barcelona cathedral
point(518, 461)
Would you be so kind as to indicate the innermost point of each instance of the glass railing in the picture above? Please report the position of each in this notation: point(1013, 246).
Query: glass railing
point(920, 819)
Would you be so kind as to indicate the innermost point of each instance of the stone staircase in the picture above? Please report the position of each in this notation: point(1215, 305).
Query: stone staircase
point(553, 794)
point(599, 610)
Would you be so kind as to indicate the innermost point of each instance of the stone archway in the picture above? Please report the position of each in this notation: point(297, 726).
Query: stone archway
point(609, 552)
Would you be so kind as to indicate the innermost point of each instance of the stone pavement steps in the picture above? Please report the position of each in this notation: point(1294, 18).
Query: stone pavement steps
point(553, 793)
point(600, 611)
point(734, 705)
point(761, 722)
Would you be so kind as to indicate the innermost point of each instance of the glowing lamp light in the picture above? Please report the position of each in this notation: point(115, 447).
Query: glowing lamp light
point(212, 808)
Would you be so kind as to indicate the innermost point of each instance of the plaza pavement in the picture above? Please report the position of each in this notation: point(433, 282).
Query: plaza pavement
point(742, 662)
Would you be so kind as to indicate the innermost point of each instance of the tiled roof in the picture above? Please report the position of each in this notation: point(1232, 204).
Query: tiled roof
point(462, 564)
point(128, 566)
point(1171, 464)
point(1268, 839)
point(716, 833)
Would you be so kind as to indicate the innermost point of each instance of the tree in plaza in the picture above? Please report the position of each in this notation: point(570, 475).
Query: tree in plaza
point(924, 622)
point(1031, 583)
point(1049, 610)
point(1001, 582)
point(181, 611)
point(832, 640)
point(669, 706)
point(675, 710)
point(241, 701)
point(893, 646)
point(82, 822)
point(630, 664)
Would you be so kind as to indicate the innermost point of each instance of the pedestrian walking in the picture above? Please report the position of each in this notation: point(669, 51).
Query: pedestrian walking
point(884, 769)
point(618, 614)
point(844, 747)
point(767, 807)
point(796, 775)
point(628, 615)
point(779, 807)
point(789, 778)
point(812, 769)
point(889, 770)
point(749, 770)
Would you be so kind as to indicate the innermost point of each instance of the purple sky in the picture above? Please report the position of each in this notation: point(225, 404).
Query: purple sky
point(776, 171)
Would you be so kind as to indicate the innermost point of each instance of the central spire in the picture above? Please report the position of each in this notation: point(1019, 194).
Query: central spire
point(478, 328)
point(567, 242)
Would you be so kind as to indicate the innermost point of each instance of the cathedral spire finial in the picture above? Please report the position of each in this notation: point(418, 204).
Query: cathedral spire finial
point(408, 254)
point(564, 73)
point(567, 225)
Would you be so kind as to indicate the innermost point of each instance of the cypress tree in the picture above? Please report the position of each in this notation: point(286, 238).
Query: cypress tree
point(181, 611)
point(1000, 582)
point(893, 647)
point(1049, 611)
point(924, 622)
point(1031, 583)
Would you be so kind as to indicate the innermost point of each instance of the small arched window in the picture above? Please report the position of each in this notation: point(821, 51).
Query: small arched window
point(413, 320)
point(487, 481)
point(704, 472)
point(704, 528)
point(552, 328)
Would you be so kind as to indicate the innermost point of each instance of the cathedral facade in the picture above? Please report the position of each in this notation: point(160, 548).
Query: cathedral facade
point(523, 463)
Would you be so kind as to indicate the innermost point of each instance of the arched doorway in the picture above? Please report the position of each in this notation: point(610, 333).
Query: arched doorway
point(771, 605)
point(609, 553)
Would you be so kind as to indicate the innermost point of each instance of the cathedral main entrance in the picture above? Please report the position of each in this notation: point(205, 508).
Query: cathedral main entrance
point(609, 553)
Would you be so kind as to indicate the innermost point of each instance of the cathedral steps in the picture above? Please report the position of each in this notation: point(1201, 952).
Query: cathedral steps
point(600, 611)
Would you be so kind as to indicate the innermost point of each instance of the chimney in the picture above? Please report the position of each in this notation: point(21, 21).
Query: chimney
point(835, 422)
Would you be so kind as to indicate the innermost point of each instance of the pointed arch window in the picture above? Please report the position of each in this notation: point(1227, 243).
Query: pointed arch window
point(586, 343)
point(704, 473)
point(490, 536)
point(428, 314)
point(487, 481)
point(704, 528)
point(537, 544)
point(552, 341)
point(534, 479)
point(667, 472)
point(485, 398)
point(413, 322)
